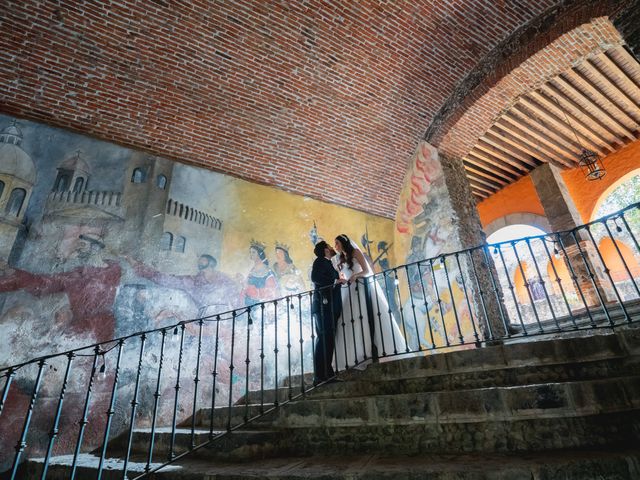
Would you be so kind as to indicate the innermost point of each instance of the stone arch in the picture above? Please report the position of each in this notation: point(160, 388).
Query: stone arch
point(603, 196)
point(523, 218)
point(617, 258)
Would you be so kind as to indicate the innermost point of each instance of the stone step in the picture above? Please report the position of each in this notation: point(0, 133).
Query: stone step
point(234, 444)
point(593, 413)
point(566, 464)
point(490, 436)
point(504, 377)
point(533, 352)
point(239, 414)
point(599, 356)
point(547, 400)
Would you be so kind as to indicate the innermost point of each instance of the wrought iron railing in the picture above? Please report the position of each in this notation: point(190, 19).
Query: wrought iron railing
point(237, 366)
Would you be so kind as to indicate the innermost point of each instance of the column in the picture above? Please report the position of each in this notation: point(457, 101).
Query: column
point(579, 251)
point(470, 234)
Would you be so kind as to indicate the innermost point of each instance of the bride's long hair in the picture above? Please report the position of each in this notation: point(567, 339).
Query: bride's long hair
point(346, 256)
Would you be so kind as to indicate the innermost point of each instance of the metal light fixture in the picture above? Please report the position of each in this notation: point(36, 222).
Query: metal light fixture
point(588, 160)
point(591, 165)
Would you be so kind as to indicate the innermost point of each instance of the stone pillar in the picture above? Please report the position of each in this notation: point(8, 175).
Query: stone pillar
point(579, 252)
point(470, 234)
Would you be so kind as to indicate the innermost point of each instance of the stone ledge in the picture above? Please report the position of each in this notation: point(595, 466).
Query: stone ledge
point(567, 464)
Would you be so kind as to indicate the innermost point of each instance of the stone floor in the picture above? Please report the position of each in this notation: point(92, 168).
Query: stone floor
point(557, 465)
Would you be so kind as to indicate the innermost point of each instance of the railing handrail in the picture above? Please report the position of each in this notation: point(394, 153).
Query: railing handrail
point(229, 314)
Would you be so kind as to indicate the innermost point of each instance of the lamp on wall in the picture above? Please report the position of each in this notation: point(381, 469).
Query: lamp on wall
point(588, 160)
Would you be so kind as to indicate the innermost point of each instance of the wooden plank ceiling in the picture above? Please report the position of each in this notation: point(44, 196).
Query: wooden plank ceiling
point(597, 101)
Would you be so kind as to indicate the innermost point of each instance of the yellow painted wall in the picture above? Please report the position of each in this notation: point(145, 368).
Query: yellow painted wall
point(269, 215)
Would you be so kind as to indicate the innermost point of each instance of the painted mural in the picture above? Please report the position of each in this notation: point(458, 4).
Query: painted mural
point(99, 241)
point(434, 305)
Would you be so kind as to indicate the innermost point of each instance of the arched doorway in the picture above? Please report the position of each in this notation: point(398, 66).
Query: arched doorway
point(617, 235)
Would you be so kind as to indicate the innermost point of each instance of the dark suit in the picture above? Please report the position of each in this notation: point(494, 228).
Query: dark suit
point(326, 308)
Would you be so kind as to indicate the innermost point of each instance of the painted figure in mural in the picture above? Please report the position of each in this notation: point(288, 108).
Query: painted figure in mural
point(261, 282)
point(289, 277)
point(353, 337)
point(88, 280)
point(210, 290)
point(326, 308)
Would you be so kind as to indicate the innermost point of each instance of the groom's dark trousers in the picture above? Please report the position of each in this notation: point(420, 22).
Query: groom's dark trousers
point(326, 308)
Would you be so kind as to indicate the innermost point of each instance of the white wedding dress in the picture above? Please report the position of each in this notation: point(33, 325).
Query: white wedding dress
point(353, 338)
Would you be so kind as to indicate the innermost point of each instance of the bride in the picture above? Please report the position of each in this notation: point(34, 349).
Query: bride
point(353, 333)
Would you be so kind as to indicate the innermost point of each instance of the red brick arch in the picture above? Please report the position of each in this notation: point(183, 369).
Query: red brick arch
point(571, 20)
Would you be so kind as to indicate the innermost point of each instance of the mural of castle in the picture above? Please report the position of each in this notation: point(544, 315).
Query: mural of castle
point(99, 241)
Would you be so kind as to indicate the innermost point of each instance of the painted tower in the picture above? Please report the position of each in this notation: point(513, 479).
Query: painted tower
point(145, 197)
point(17, 177)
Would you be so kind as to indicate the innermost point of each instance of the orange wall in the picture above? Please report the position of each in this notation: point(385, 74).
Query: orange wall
point(586, 194)
point(519, 197)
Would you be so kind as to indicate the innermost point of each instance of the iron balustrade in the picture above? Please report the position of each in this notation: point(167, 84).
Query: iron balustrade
point(113, 397)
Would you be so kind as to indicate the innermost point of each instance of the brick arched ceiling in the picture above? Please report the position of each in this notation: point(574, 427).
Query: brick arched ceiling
point(594, 105)
point(322, 98)
point(581, 90)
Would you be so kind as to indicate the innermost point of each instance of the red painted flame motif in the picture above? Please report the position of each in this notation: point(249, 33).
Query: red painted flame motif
point(425, 169)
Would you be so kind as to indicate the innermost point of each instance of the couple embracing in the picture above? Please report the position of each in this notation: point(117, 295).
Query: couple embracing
point(343, 327)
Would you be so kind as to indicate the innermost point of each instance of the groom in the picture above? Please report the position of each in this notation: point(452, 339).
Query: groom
point(326, 306)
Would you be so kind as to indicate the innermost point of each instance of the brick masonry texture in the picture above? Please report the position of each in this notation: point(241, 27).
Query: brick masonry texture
point(559, 56)
point(276, 92)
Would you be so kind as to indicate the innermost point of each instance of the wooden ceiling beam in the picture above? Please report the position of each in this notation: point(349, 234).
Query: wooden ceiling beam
point(631, 63)
point(583, 130)
point(496, 135)
point(488, 170)
point(572, 106)
point(478, 179)
point(621, 127)
point(624, 77)
point(480, 194)
point(627, 104)
point(504, 156)
point(587, 85)
point(510, 150)
point(512, 117)
point(552, 130)
point(480, 188)
point(570, 130)
point(482, 160)
point(511, 130)
point(478, 171)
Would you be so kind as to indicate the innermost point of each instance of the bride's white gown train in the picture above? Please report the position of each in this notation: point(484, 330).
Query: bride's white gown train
point(353, 334)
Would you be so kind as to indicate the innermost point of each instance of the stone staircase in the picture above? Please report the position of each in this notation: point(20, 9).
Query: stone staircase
point(553, 408)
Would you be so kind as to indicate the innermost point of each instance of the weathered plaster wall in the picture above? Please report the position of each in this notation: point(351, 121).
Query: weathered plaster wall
point(521, 196)
point(586, 195)
point(89, 263)
point(518, 197)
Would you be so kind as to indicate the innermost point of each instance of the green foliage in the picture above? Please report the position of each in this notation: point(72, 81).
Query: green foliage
point(625, 194)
